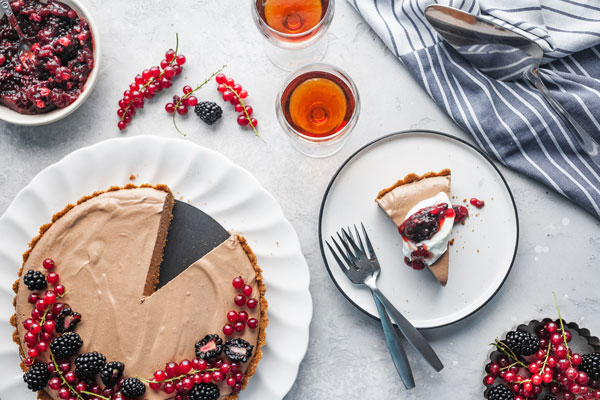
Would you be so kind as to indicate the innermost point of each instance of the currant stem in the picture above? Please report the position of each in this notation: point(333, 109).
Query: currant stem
point(245, 111)
point(62, 378)
point(192, 372)
point(94, 394)
point(43, 319)
point(152, 80)
point(185, 96)
point(562, 329)
point(511, 354)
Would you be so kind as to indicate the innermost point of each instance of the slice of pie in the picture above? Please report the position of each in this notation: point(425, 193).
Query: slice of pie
point(106, 251)
point(426, 200)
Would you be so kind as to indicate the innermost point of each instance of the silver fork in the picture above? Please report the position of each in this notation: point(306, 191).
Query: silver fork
point(363, 268)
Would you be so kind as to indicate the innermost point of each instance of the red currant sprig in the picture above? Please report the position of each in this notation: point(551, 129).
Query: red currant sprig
point(147, 84)
point(182, 377)
point(180, 104)
point(235, 94)
point(66, 389)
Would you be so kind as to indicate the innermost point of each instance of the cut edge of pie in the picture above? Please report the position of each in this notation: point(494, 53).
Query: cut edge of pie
point(441, 267)
point(153, 275)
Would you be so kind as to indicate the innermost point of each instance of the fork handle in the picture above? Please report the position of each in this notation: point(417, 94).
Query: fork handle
point(396, 350)
point(412, 335)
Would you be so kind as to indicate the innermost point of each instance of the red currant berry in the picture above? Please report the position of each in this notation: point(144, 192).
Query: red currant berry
point(225, 368)
point(170, 108)
point(197, 378)
point(70, 377)
point(177, 69)
point(52, 278)
point(169, 54)
point(252, 323)
point(556, 339)
point(63, 393)
point(160, 375)
point(192, 101)
point(33, 353)
point(27, 323)
point(182, 110)
point(239, 300)
point(154, 72)
point(64, 367)
point(185, 366)
point(80, 387)
point(49, 326)
point(220, 78)
point(237, 88)
point(571, 373)
point(510, 376)
point(42, 347)
point(568, 336)
point(238, 282)
point(207, 377)
point(576, 359)
point(239, 108)
point(202, 365)
point(234, 100)
point(560, 351)
point(232, 316)
point(227, 95)
point(36, 314)
point(547, 377)
point(188, 383)
point(41, 305)
point(242, 120)
point(237, 388)
point(187, 89)
point(239, 326)
point(49, 297)
point(488, 380)
point(169, 388)
point(230, 82)
point(169, 72)
point(29, 361)
point(171, 369)
point(252, 303)
point(243, 94)
point(54, 383)
point(536, 379)
point(146, 75)
point(253, 122)
point(180, 60)
point(122, 125)
point(221, 88)
point(238, 377)
point(217, 376)
point(243, 316)
point(551, 327)
point(59, 290)
point(582, 378)
point(230, 381)
point(48, 263)
point(247, 290)
point(228, 330)
point(33, 298)
point(249, 110)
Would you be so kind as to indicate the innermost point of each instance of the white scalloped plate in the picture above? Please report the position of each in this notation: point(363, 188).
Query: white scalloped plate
point(209, 181)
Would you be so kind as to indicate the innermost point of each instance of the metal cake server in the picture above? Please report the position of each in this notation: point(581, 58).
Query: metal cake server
point(503, 55)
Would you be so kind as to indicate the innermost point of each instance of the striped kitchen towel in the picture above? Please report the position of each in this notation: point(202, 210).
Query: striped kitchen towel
point(511, 121)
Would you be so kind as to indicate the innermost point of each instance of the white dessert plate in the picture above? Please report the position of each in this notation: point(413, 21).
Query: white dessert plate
point(209, 181)
point(484, 248)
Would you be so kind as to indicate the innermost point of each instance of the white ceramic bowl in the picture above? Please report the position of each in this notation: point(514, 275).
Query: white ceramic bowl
point(13, 117)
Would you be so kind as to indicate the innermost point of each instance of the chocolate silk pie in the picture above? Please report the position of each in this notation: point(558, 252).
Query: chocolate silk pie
point(421, 209)
point(89, 319)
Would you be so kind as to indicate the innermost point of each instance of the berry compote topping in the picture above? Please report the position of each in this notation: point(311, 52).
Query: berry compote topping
point(425, 223)
point(476, 202)
point(460, 214)
point(62, 47)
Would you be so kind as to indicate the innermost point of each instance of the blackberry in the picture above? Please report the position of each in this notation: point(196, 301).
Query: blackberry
point(204, 391)
point(548, 397)
point(66, 346)
point(501, 392)
point(132, 388)
point(522, 343)
point(35, 280)
point(238, 350)
point(112, 373)
point(89, 364)
point(591, 365)
point(209, 347)
point(37, 376)
point(208, 111)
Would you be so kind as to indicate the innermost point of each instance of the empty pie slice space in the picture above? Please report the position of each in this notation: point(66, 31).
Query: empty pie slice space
point(107, 251)
point(397, 200)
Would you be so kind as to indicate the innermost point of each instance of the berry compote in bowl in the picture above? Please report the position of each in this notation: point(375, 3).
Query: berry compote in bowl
point(62, 68)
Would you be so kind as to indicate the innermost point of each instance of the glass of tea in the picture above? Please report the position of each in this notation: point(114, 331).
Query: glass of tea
point(294, 29)
point(317, 108)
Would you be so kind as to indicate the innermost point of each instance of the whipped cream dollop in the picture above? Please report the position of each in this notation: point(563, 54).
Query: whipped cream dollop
point(437, 244)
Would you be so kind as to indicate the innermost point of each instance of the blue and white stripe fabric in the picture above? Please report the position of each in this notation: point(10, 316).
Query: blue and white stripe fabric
point(511, 121)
